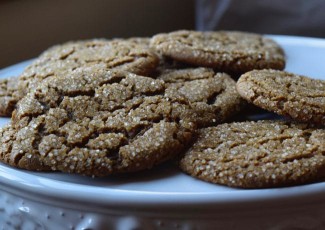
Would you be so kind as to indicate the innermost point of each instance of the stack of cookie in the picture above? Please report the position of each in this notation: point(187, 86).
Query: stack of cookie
point(102, 107)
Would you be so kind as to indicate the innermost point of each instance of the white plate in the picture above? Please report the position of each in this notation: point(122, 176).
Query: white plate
point(164, 198)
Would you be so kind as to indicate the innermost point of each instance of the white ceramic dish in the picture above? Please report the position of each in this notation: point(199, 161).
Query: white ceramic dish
point(163, 198)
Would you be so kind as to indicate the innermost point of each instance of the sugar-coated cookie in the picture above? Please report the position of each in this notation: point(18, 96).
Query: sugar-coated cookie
point(257, 154)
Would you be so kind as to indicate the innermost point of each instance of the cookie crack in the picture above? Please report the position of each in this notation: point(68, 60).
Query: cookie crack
point(116, 79)
point(66, 56)
point(213, 97)
point(140, 130)
point(114, 64)
point(18, 157)
point(299, 158)
point(90, 93)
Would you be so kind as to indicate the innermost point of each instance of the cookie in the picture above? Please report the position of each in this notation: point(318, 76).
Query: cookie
point(257, 154)
point(226, 51)
point(295, 96)
point(8, 91)
point(126, 55)
point(97, 122)
point(212, 95)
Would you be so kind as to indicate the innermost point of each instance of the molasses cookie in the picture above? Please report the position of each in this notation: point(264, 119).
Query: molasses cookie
point(98, 122)
point(257, 154)
point(296, 96)
point(226, 51)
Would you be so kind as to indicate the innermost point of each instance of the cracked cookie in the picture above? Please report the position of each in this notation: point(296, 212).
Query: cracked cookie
point(257, 154)
point(296, 96)
point(226, 51)
point(97, 122)
point(213, 95)
point(128, 55)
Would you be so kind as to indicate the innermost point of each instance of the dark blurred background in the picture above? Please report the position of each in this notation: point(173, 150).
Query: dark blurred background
point(289, 17)
point(27, 27)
